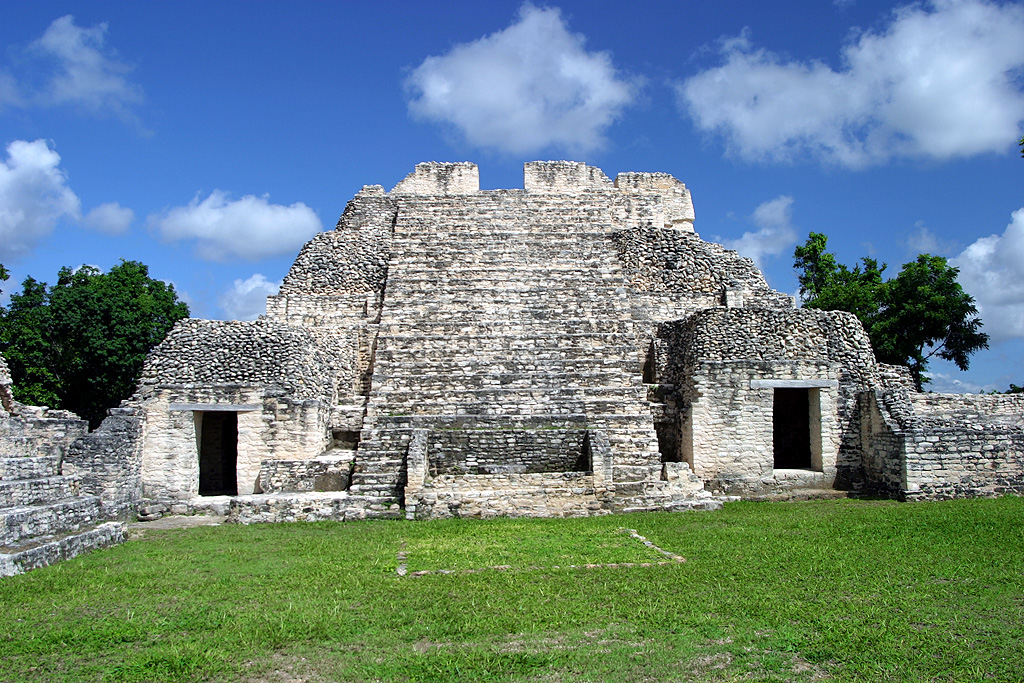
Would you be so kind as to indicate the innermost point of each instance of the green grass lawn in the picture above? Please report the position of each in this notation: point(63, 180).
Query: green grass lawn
point(837, 590)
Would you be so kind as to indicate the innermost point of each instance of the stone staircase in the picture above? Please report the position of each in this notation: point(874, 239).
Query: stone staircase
point(43, 516)
point(505, 326)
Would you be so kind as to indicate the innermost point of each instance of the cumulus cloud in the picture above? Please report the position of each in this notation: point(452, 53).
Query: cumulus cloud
point(249, 228)
point(34, 195)
point(85, 70)
point(524, 89)
point(110, 218)
point(992, 271)
point(247, 299)
point(939, 81)
point(774, 234)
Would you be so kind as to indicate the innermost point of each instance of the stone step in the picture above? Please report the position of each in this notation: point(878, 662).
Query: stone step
point(599, 344)
point(505, 326)
point(554, 409)
point(509, 284)
point(591, 420)
point(431, 378)
point(466, 275)
point(478, 266)
point(525, 365)
point(312, 507)
point(20, 523)
point(29, 467)
point(578, 395)
point(43, 551)
point(35, 491)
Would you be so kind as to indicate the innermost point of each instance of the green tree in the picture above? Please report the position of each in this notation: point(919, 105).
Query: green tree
point(80, 344)
point(920, 313)
point(3, 275)
point(831, 286)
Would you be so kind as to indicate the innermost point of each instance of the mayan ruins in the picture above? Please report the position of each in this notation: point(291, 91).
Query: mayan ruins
point(569, 348)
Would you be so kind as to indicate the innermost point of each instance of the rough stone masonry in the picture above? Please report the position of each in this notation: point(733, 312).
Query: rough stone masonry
point(569, 348)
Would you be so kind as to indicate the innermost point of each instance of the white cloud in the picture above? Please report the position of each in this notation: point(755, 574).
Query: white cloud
point(247, 299)
point(992, 271)
point(524, 89)
point(940, 81)
point(110, 218)
point(249, 228)
point(774, 234)
point(34, 195)
point(946, 383)
point(86, 72)
point(923, 241)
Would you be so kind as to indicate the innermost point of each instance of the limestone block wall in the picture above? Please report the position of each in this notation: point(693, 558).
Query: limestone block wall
point(108, 460)
point(324, 473)
point(677, 204)
point(507, 451)
point(936, 446)
point(731, 424)
point(563, 177)
point(441, 178)
point(270, 427)
point(517, 494)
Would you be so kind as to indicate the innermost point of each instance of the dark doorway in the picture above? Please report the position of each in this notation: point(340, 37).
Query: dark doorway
point(650, 369)
point(218, 454)
point(791, 427)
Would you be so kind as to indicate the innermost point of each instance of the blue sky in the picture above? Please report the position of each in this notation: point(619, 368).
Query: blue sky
point(209, 140)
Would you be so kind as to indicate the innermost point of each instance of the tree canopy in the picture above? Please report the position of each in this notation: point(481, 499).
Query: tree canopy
point(920, 313)
point(80, 344)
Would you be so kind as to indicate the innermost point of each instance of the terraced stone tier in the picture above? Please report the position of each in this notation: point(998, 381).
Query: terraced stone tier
point(29, 467)
point(21, 523)
point(33, 491)
point(46, 550)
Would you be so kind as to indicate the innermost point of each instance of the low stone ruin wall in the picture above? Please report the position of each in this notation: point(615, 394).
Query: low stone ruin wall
point(567, 494)
point(324, 473)
point(454, 452)
point(963, 462)
point(940, 446)
point(109, 461)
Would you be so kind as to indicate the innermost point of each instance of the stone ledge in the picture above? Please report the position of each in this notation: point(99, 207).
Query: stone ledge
point(46, 551)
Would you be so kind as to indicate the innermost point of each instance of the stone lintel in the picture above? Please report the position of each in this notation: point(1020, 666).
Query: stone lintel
point(211, 407)
point(794, 384)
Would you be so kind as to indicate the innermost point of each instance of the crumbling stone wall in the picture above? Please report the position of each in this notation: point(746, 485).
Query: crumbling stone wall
point(108, 460)
point(352, 258)
point(935, 446)
point(6, 395)
point(657, 260)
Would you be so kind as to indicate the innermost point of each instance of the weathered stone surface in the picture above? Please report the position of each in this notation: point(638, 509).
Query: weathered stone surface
point(572, 347)
point(47, 512)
